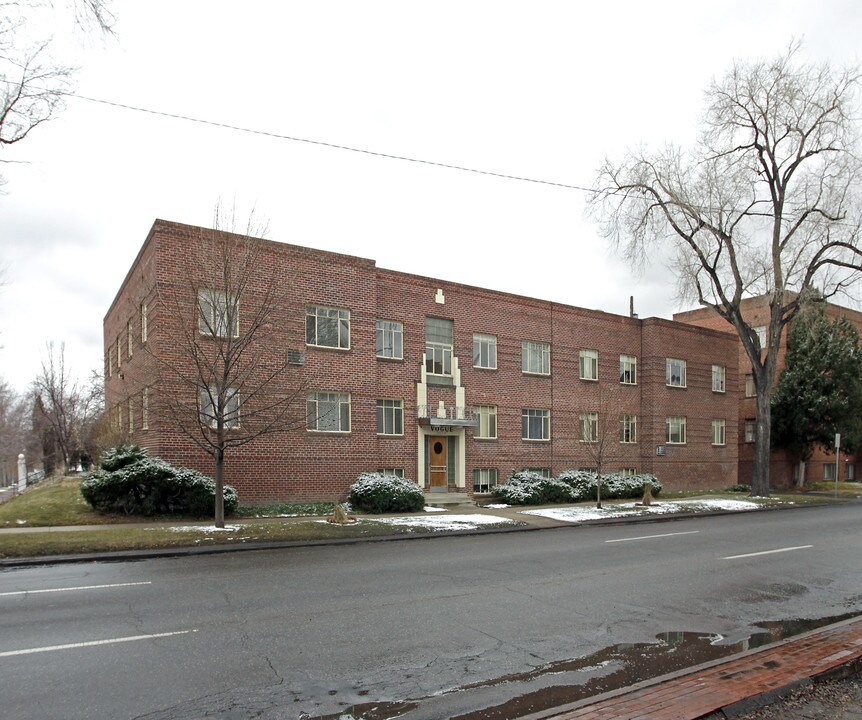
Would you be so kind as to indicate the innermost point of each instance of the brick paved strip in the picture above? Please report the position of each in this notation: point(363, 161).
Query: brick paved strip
point(735, 685)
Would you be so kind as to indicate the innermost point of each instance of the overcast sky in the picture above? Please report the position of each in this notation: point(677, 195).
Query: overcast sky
point(536, 89)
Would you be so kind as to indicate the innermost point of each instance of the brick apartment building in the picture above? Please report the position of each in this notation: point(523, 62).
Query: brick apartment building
point(451, 385)
point(784, 468)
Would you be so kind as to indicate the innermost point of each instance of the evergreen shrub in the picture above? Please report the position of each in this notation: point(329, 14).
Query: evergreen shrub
point(531, 488)
point(378, 493)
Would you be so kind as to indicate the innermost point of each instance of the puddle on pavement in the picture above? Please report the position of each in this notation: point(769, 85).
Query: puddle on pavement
point(567, 681)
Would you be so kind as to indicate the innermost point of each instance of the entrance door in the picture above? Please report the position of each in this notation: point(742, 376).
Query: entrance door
point(438, 464)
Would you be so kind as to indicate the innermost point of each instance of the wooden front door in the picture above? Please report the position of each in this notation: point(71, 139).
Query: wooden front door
point(438, 463)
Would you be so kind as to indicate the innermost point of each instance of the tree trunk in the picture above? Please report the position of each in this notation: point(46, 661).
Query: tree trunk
point(219, 488)
point(760, 475)
point(800, 481)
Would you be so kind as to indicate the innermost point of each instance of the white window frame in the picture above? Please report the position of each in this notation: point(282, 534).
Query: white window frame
point(750, 430)
point(144, 322)
point(760, 331)
point(392, 472)
point(529, 418)
point(214, 311)
point(628, 369)
point(145, 409)
point(314, 416)
point(390, 417)
point(719, 432)
point(484, 478)
point(850, 472)
point(628, 429)
point(627, 471)
point(750, 389)
point(438, 355)
point(675, 430)
point(589, 427)
point(677, 379)
point(487, 427)
point(535, 357)
point(588, 364)
point(131, 411)
point(317, 315)
point(207, 408)
point(129, 337)
point(484, 351)
point(119, 352)
point(829, 472)
point(719, 379)
point(389, 339)
point(545, 472)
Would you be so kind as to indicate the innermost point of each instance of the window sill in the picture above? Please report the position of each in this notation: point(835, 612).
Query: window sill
point(328, 347)
point(389, 359)
point(536, 440)
point(485, 439)
point(327, 432)
point(585, 379)
point(677, 387)
point(534, 374)
point(628, 384)
point(390, 435)
point(482, 367)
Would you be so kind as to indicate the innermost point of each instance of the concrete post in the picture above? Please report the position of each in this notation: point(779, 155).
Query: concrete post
point(22, 472)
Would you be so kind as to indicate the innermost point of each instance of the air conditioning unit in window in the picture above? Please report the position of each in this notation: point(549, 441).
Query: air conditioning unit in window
point(295, 357)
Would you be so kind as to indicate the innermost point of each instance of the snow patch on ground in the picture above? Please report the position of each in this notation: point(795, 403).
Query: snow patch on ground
point(449, 522)
point(580, 514)
point(203, 528)
point(431, 508)
point(498, 507)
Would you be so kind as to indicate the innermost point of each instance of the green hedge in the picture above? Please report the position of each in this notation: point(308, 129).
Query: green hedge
point(377, 493)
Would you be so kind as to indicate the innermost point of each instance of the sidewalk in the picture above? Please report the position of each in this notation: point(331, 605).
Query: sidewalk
point(730, 687)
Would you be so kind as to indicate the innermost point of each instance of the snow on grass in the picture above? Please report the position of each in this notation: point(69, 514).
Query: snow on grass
point(202, 528)
point(431, 508)
point(630, 509)
point(448, 522)
point(501, 506)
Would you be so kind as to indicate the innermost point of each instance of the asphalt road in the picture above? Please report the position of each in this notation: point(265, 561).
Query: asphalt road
point(317, 630)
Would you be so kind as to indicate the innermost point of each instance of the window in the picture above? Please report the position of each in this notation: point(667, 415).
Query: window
point(750, 431)
point(760, 332)
point(145, 409)
point(675, 372)
point(131, 416)
point(535, 424)
point(589, 427)
point(675, 431)
point(487, 427)
point(217, 314)
point(110, 362)
point(627, 472)
point(718, 377)
point(119, 355)
point(208, 400)
point(544, 472)
point(536, 358)
point(749, 386)
point(390, 417)
point(439, 334)
point(144, 321)
point(129, 337)
point(119, 417)
point(628, 428)
point(829, 471)
point(485, 351)
point(628, 369)
point(718, 432)
point(484, 479)
point(327, 327)
point(589, 364)
point(328, 411)
point(390, 339)
point(392, 472)
point(850, 472)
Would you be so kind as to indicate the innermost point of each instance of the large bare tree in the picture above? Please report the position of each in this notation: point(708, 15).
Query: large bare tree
point(221, 384)
point(766, 203)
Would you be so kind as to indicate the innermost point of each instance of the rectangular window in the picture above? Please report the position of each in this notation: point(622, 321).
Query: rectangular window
point(131, 416)
point(208, 400)
point(628, 428)
point(628, 369)
point(750, 431)
point(628, 472)
point(749, 386)
point(485, 351)
point(484, 479)
point(390, 417)
point(760, 332)
point(718, 432)
point(536, 358)
point(392, 472)
point(119, 354)
point(327, 327)
point(129, 337)
point(544, 472)
point(144, 320)
point(589, 427)
point(589, 364)
point(675, 431)
point(487, 427)
point(675, 372)
point(718, 378)
point(119, 417)
point(110, 362)
point(829, 472)
point(218, 314)
point(535, 424)
point(145, 409)
point(439, 337)
point(390, 339)
point(850, 472)
point(328, 411)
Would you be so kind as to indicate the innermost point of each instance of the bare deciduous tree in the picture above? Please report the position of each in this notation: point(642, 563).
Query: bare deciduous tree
point(220, 383)
point(766, 203)
point(13, 432)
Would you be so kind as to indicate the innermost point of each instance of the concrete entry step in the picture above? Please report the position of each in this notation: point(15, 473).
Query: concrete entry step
point(446, 499)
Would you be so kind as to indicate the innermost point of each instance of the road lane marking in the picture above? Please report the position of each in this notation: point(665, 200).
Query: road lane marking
point(767, 552)
point(82, 587)
point(110, 641)
point(650, 537)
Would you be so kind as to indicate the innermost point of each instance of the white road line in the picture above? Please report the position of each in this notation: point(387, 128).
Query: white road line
point(767, 552)
point(650, 537)
point(110, 641)
point(82, 587)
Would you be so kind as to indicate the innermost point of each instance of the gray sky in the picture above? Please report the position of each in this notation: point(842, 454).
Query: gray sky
point(542, 90)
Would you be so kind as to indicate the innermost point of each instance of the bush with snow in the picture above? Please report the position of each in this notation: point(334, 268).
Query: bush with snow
point(530, 488)
point(131, 482)
point(378, 493)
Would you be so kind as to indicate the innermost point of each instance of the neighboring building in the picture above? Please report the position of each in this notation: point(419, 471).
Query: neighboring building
point(784, 469)
point(451, 385)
